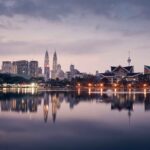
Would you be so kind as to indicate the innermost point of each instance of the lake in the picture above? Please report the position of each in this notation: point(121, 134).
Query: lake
point(74, 120)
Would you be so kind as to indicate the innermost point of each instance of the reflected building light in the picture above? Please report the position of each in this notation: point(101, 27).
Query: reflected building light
point(33, 91)
point(13, 104)
point(144, 85)
point(79, 91)
point(54, 107)
point(89, 91)
point(89, 85)
point(46, 107)
point(130, 91)
point(25, 90)
point(101, 85)
point(79, 85)
point(4, 90)
point(18, 90)
point(134, 97)
point(115, 90)
point(115, 85)
point(145, 93)
point(22, 90)
point(101, 91)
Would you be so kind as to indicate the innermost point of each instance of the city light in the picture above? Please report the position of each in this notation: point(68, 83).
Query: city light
point(101, 85)
point(115, 85)
point(78, 84)
point(89, 91)
point(145, 85)
point(33, 85)
point(129, 85)
point(89, 84)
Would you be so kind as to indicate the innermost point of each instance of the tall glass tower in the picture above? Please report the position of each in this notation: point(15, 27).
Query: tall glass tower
point(46, 66)
point(54, 71)
point(55, 61)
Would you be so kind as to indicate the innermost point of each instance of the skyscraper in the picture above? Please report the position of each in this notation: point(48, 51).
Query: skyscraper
point(6, 67)
point(33, 68)
point(55, 61)
point(54, 71)
point(46, 67)
point(22, 67)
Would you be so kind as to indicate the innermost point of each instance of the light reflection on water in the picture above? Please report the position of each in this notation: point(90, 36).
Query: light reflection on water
point(74, 120)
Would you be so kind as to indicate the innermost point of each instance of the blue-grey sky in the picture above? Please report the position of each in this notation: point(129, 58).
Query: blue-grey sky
point(92, 34)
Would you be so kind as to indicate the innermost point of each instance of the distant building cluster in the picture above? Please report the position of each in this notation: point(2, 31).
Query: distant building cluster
point(31, 69)
point(126, 73)
point(57, 72)
point(22, 67)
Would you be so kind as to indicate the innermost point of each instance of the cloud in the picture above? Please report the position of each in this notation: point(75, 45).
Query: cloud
point(56, 9)
point(74, 27)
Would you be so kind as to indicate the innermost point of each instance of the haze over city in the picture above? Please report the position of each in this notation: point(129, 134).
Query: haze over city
point(97, 33)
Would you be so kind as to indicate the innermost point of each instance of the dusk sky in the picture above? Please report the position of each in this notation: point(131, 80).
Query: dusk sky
point(91, 34)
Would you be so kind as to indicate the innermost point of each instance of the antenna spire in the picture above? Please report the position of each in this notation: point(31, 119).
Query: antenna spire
point(129, 59)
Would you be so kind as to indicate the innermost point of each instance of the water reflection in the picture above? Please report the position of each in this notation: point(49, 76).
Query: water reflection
point(51, 102)
point(46, 106)
point(74, 120)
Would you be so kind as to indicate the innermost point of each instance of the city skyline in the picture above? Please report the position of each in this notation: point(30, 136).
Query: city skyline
point(74, 74)
point(52, 65)
point(95, 31)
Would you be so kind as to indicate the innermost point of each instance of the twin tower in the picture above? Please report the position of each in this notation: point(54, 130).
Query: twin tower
point(47, 66)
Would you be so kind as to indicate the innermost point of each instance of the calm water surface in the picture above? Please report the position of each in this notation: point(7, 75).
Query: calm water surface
point(74, 121)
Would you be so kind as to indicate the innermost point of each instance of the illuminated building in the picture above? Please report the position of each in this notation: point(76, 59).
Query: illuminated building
point(118, 73)
point(54, 70)
point(121, 72)
point(46, 67)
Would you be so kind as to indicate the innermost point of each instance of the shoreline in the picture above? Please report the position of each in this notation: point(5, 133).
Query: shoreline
point(88, 90)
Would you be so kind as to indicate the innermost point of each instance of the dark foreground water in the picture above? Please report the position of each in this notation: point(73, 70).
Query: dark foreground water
point(45, 121)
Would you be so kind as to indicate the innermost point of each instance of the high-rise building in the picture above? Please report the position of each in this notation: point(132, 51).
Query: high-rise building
point(22, 67)
point(40, 72)
point(14, 68)
point(6, 67)
point(73, 72)
point(33, 68)
point(54, 70)
point(55, 61)
point(60, 73)
point(46, 66)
